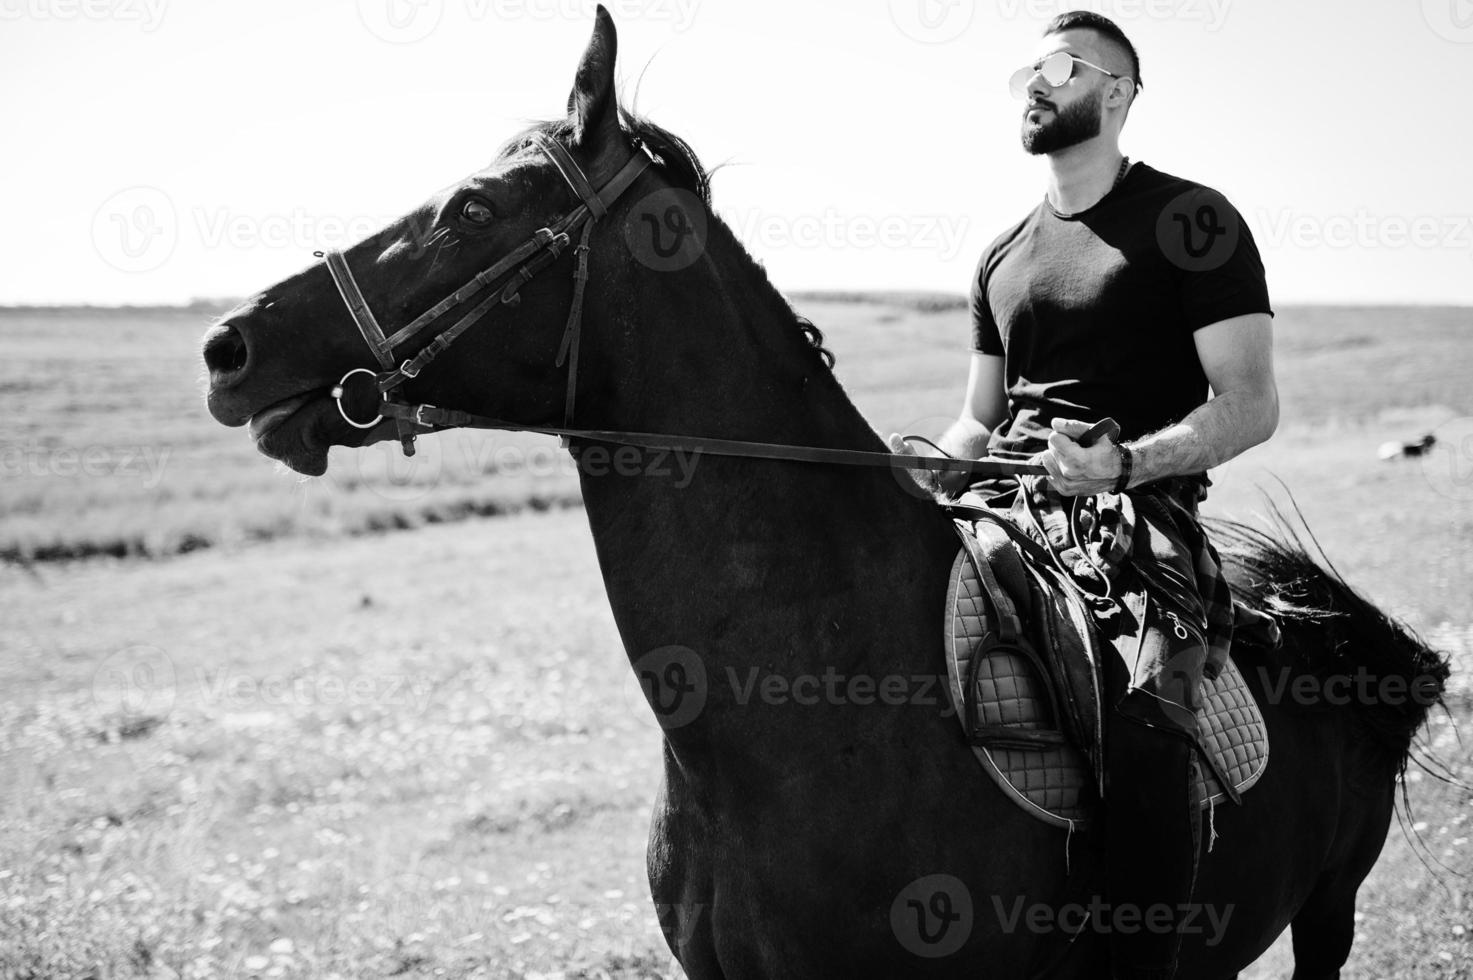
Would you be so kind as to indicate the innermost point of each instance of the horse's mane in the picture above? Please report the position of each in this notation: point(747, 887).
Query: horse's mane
point(1341, 631)
point(680, 166)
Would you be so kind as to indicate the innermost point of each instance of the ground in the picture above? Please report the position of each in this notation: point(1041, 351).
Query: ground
point(261, 727)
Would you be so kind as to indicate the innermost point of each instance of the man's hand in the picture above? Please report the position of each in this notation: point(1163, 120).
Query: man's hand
point(946, 483)
point(1075, 470)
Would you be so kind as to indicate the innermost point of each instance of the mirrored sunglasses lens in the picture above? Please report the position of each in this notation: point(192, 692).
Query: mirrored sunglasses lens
point(1018, 84)
point(1057, 68)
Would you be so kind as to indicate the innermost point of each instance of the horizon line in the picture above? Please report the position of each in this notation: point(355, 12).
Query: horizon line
point(901, 295)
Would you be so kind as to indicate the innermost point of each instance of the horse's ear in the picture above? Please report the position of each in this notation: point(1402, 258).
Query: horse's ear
point(592, 107)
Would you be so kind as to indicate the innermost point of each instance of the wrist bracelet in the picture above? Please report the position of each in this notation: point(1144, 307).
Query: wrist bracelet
point(1127, 462)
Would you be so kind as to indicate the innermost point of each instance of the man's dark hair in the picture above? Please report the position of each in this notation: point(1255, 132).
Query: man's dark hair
point(1088, 20)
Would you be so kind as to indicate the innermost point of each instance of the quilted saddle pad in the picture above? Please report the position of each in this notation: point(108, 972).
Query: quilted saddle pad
point(1053, 782)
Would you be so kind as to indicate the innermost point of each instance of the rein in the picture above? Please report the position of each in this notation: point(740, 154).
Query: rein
point(504, 279)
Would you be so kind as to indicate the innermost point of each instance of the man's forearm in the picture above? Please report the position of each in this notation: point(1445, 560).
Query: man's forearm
point(1212, 434)
point(966, 439)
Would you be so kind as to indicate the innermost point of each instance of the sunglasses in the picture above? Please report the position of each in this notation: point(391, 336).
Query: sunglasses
point(1056, 69)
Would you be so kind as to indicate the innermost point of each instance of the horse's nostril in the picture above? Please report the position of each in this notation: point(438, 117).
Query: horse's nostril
point(225, 351)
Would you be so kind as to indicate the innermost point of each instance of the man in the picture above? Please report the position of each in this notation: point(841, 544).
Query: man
point(1125, 293)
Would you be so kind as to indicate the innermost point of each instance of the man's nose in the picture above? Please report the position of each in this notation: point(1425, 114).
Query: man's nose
point(1038, 89)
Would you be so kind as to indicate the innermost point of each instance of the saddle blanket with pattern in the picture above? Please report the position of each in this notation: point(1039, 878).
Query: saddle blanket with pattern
point(1052, 778)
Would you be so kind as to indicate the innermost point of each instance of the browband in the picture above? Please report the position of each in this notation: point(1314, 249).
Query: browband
point(572, 173)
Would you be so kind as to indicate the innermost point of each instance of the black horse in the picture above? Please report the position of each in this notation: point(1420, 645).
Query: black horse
point(789, 829)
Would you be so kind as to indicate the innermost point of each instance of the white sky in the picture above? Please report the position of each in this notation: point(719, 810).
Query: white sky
point(873, 142)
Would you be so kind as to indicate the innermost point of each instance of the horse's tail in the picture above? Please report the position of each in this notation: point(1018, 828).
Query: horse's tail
point(1343, 632)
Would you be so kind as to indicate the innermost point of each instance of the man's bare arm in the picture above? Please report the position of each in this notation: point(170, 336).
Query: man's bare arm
point(1237, 357)
point(985, 406)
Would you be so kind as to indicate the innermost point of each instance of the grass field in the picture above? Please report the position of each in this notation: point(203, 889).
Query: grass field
point(246, 734)
point(111, 432)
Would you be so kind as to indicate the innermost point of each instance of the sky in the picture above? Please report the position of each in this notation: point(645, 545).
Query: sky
point(162, 150)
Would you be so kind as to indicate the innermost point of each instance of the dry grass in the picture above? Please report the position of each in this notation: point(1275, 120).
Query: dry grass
point(421, 773)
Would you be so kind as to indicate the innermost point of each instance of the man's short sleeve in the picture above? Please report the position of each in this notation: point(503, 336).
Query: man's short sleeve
point(986, 338)
point(1222, 272)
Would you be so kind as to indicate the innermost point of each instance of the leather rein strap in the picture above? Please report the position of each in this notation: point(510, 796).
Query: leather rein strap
point(508, 274)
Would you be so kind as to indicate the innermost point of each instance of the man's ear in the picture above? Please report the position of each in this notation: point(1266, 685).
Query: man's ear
point(592, 106)
point(1122, 92)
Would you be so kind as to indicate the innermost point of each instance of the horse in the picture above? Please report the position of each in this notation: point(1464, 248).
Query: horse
point(807, 823)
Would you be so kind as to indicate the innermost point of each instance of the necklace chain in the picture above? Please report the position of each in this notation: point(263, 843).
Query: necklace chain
point(1120, 174)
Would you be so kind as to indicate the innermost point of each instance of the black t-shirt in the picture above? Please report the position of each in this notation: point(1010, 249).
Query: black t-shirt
point(1094, 312)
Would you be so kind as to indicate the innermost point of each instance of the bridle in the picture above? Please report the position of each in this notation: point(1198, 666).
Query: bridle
point(504, 278)
point(523, 262)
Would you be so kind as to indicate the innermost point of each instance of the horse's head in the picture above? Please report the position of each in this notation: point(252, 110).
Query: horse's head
point(273, 361)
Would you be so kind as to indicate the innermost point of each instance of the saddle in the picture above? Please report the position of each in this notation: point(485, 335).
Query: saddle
point(1026, 656)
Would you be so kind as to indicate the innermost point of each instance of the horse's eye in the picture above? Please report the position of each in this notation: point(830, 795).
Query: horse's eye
point(476, 212)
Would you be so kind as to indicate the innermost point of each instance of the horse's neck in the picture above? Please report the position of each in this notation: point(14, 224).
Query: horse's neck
point(780, 566)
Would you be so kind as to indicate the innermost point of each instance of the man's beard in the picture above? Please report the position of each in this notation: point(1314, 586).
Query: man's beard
point(1071, 126)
